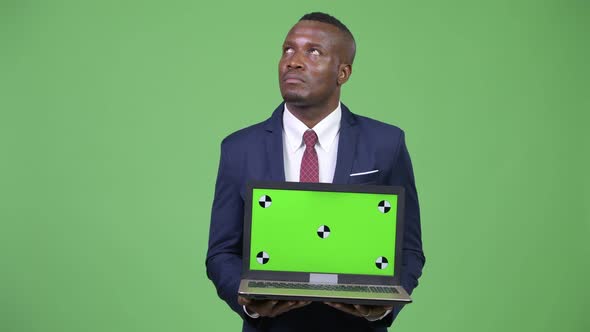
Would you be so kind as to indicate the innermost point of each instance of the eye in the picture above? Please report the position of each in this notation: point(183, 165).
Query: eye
point(288, 50)
point(314, 51)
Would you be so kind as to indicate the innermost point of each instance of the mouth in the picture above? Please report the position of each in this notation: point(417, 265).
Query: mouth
point(292, 79)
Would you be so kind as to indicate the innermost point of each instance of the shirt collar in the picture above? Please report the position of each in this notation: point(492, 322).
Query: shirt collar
point(327, 129)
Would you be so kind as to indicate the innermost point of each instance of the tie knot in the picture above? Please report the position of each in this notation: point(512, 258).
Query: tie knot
point(310, 138)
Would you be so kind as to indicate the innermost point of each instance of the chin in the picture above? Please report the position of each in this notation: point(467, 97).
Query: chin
point(295, 99)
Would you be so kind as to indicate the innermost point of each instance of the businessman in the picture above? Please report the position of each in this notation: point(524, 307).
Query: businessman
point(310, 137)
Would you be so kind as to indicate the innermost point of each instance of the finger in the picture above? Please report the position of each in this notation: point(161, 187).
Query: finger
point(344, 307)
point(263, 308)
point(363, 309)
point(385, 309)
point(244, 301)
point(281, 307)
point(300, 304)
point(377, 311)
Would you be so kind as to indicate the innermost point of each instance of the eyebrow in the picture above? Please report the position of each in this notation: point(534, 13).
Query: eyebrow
point(316, 45)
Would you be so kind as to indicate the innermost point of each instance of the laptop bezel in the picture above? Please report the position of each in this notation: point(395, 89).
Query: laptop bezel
point(305, 276)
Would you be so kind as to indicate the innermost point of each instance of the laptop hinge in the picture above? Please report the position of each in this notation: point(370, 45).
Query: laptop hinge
point(317, 278)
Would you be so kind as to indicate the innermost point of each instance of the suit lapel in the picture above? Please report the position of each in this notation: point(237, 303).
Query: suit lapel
point(346, 147)
point(274, 145)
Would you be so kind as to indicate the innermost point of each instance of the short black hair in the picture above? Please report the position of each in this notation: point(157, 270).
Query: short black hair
point(327, 18)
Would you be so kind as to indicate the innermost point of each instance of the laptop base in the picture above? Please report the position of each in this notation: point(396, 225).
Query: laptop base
point(396, 297)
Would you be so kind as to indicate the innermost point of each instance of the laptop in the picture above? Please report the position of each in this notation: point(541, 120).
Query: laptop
point(323, 242)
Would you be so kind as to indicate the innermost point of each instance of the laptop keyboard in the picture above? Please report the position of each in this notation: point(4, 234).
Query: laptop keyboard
point(347, 288)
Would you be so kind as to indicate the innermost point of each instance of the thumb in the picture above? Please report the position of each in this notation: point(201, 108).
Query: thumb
point(244, 301)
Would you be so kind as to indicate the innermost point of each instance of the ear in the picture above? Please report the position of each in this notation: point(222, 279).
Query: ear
point(344, 72)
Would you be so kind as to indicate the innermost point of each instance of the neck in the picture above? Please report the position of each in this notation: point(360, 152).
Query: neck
point(311, 115)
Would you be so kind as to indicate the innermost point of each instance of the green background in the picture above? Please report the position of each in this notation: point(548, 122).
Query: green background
point(111, 115)
point(287, 232)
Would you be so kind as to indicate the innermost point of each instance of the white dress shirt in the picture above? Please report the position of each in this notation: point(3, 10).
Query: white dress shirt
point(328, 131)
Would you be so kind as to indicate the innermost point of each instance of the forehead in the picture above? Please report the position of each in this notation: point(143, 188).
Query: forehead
point(314, 32)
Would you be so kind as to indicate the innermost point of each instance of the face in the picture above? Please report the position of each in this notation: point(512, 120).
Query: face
point(311, 69)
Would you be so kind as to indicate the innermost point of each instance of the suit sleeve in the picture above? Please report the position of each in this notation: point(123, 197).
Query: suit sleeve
point(224, 255)
point(412, 254)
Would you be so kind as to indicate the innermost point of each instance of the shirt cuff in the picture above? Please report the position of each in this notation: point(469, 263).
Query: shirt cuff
point(369, 319)
point(256, 315)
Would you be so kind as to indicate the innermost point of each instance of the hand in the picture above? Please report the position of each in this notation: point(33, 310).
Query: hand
point(270, 308)
point(370, 312)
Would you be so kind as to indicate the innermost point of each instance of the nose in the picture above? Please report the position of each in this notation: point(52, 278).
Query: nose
point(294, 61)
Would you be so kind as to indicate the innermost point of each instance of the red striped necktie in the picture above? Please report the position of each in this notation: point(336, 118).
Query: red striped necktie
point(310, 169)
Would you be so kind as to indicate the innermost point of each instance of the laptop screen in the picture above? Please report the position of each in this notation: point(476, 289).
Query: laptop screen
point(323, 232)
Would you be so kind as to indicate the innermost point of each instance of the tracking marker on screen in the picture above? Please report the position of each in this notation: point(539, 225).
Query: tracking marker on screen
point(381, 263)
point(324, 231)
point(384, 206)
point(265, 201)
point(262, 257)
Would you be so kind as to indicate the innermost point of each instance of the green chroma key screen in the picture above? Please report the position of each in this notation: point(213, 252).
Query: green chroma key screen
point(325, 232)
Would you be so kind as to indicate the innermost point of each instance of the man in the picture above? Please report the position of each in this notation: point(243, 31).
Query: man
point(310, 137)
